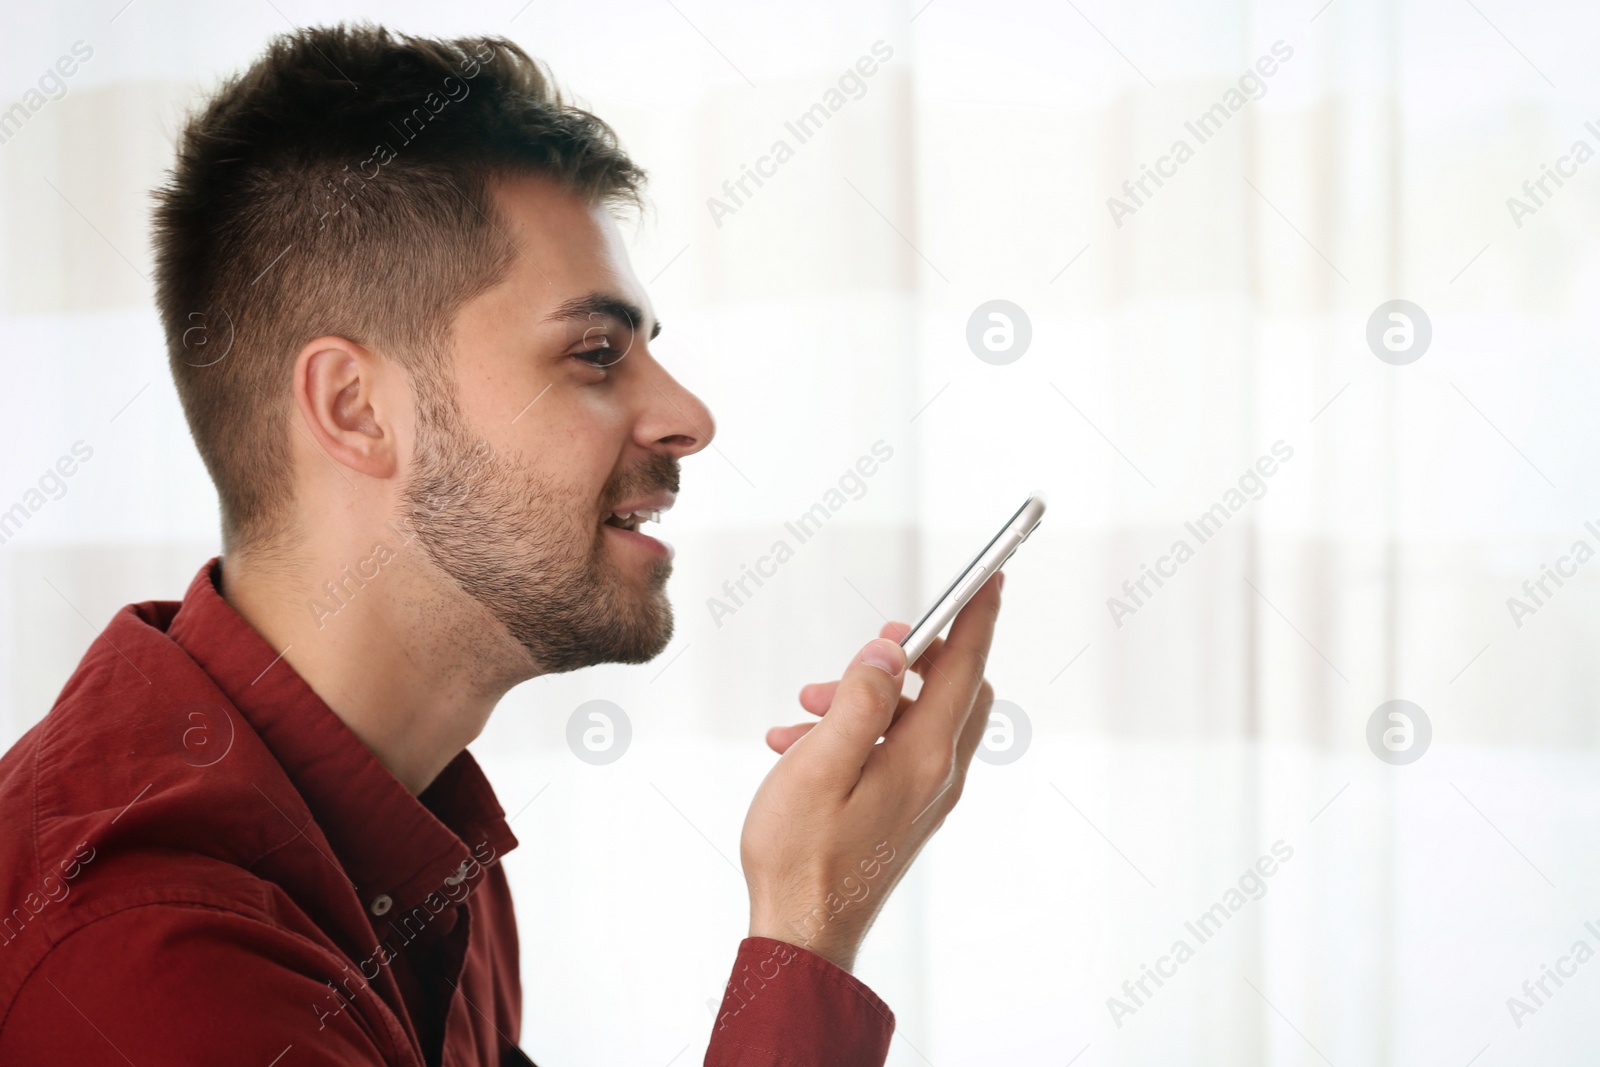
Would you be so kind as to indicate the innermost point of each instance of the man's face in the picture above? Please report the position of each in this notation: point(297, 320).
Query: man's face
point(562, 418)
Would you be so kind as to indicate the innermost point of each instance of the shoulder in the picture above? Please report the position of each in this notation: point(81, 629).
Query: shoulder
point(187, 983)
point(146, 815)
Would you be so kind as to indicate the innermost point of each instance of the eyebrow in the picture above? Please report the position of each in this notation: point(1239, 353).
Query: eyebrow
point(582, 308)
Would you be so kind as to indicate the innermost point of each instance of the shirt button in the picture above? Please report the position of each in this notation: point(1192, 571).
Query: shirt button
point(382, 903)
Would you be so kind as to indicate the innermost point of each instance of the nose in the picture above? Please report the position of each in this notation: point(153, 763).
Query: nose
point(674, 420)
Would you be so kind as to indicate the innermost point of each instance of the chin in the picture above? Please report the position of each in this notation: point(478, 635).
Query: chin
point(627, 626)
point(653, 633)
point(653, 616)
point(648, 648)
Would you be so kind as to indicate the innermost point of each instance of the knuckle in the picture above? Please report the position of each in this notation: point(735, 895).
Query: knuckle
point(886, 692)
point(877, 687)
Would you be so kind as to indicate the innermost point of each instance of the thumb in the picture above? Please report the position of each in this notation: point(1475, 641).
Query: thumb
point(862, 709)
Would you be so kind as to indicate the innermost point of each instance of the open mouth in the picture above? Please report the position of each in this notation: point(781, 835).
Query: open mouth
point(632, 514)
point(632, 520)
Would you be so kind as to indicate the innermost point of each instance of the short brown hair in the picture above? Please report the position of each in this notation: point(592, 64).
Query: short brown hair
point(342, 185)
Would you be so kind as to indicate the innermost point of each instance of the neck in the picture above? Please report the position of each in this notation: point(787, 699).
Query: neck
point(407, 661)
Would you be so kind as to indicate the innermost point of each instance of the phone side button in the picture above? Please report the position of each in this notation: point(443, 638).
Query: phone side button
point(972, 584)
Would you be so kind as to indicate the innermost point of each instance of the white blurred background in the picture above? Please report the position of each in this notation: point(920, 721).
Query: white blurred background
point(830, 311)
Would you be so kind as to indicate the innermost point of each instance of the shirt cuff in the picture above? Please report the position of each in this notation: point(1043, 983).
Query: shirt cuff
point(786, 1006)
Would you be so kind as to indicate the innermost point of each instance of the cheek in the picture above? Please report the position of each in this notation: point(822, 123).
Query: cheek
point(576, 443)
point(491, 387)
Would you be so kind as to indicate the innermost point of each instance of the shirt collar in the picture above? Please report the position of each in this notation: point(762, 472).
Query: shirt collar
point(395, 847)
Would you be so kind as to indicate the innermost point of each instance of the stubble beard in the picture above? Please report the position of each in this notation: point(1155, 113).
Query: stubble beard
point(530, 552)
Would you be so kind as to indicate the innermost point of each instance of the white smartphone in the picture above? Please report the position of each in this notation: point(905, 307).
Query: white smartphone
point(971, 577)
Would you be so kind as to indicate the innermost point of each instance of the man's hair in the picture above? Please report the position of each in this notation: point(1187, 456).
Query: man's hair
point(342, 186)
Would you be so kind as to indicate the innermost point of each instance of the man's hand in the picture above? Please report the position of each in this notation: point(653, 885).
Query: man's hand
point(840, 817)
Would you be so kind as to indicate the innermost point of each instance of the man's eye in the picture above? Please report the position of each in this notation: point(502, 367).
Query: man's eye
point(598, 352)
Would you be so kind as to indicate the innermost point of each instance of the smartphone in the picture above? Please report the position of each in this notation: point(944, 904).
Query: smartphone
point(970, 579)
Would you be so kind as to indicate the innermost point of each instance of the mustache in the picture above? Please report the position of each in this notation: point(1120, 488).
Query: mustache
point(660, 471)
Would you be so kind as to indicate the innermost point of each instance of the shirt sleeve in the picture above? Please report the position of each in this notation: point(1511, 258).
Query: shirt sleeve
point(191, 986)
point(786, 1007)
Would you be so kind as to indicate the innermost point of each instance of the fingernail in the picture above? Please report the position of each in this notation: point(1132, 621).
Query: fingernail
point(1000, 587)
point(885, 655)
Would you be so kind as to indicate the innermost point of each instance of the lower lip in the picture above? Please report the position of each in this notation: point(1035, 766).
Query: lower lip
point(644, 541)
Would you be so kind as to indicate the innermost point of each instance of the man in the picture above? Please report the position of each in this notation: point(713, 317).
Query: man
point(416, 362)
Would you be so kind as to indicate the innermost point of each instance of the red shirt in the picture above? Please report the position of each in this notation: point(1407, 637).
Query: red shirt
point(200, 864)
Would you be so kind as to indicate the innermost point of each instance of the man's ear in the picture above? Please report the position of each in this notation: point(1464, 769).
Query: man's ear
point(337, 391)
